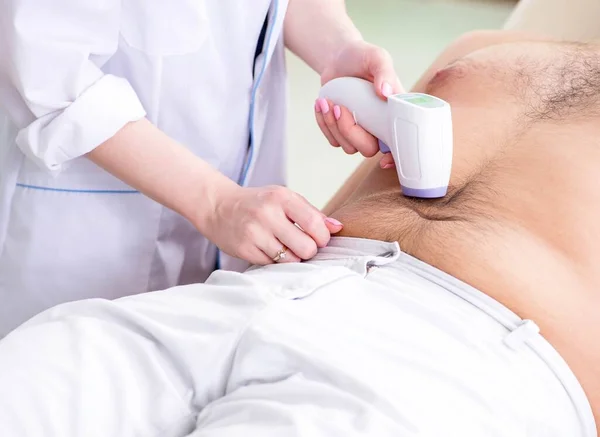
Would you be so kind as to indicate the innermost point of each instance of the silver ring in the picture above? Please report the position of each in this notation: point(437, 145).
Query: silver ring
point(280, 255)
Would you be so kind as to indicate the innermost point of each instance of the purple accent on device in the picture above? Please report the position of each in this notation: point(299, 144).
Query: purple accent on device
point(425, 193)
point(383, 147)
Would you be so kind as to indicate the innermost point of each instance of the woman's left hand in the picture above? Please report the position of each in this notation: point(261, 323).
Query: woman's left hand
point(367, 61)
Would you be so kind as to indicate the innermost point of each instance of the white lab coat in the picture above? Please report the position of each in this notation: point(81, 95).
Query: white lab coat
point(72, 73)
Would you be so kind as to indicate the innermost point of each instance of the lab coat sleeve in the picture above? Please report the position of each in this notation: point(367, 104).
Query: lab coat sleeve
point(51, 84)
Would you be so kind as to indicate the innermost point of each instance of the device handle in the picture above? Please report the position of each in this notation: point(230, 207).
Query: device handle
point(359, 97)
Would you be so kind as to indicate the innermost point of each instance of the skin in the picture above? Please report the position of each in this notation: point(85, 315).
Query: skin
point(250, 223)
point(528, 235)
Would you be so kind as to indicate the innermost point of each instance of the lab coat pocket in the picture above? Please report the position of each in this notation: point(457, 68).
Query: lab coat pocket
point(64, 246)
point(164, 28)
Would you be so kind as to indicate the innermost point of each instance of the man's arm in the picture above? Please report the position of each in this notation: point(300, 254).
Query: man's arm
point(574, 20)
point(464, 45)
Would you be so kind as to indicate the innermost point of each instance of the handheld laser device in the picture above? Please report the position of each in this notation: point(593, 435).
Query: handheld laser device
point(416, 128)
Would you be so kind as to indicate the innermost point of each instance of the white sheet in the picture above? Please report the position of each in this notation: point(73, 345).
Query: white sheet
point(362, 341)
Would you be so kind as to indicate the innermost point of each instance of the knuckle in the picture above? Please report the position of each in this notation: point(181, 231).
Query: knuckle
point(273, 195)
point(295, 197)
point(314, 223)
point(279, 193)
point(323, 240)
point(380, 54)
point(306, 250)
point(299, 197)
point(287, 199)
point(282, 191)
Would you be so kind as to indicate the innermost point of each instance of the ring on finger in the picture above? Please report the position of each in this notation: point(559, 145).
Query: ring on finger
point(280, 255)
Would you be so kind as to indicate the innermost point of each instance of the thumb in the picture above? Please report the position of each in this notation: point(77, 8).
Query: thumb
point(384, 75)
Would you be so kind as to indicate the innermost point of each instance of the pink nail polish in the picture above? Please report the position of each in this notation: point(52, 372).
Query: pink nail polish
point(386, 89)
point(333, 221)
point(317, 107)
point(324, 106)
point(337, 112)
point(385, 167)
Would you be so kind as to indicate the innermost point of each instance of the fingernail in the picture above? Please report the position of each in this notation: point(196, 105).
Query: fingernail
point(386, 89)
point(337, 112)
point(388, 166)
point(317, 107)
point(324, 105)
point(333, 221)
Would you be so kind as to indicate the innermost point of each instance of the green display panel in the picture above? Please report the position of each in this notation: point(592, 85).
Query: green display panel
point(424, 100)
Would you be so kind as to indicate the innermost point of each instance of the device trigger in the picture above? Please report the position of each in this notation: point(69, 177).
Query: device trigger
point(383, 148)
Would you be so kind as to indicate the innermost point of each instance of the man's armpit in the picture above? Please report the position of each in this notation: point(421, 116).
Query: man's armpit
point(424, 225)
point(351, 184)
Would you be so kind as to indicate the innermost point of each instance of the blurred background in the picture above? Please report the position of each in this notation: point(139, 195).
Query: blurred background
point(414, 32)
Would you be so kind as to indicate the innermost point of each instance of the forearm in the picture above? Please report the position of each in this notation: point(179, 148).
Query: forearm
point(315, 30)
point(148, 160)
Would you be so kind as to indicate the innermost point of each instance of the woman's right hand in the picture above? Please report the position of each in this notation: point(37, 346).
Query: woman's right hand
point(249, 223)
point(254, 224)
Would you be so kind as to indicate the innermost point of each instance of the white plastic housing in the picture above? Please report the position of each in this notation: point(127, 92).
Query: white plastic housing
point(416, 127)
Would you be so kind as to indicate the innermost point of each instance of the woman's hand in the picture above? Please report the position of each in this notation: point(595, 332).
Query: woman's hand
point(254, 224)
point(356, 59)
point(249, 223)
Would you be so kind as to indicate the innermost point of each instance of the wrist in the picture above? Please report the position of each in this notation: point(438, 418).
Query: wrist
point(205, 205)
point(336, 47)
point(316, 31)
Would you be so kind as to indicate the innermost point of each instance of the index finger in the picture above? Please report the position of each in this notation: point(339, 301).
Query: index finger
point(309, 219)
point(362, 140)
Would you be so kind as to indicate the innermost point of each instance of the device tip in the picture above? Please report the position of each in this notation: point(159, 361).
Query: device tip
point(425, 193)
